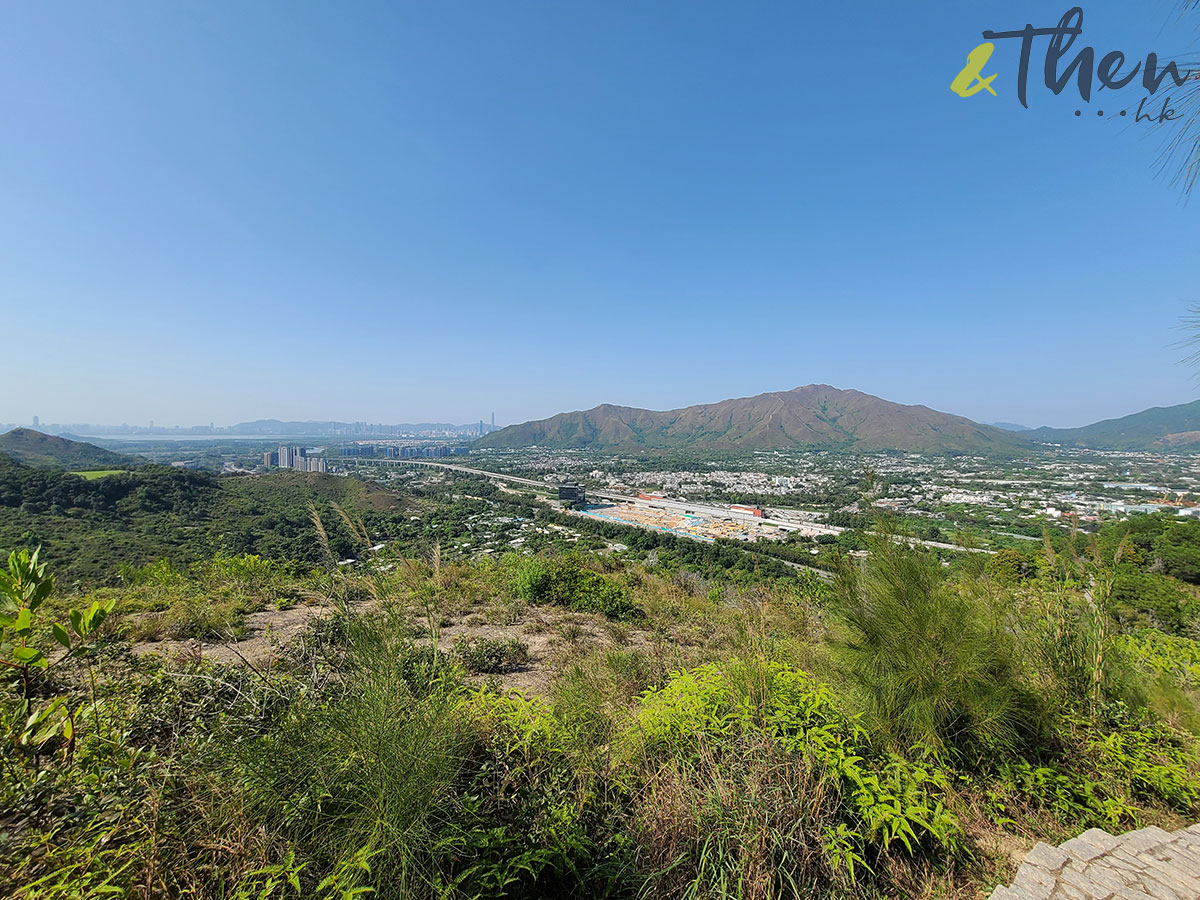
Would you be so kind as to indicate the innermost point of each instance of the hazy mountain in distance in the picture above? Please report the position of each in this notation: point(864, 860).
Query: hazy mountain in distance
point(1010, 426)
point(276, 427)
point(813, 417)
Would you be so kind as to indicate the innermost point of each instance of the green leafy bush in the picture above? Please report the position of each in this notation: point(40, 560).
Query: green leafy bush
point(1141, 757)
point(1069, 796)
point(565, 581)
point(1178, 547)
point(530, 821)
point(1010, 566)
point(1165, 654)
point(1140, 599)
point(159, 572)
point(491, 655)
point(1112, 766)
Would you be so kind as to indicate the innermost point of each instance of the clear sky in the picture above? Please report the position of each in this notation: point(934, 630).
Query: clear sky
point(417, 211)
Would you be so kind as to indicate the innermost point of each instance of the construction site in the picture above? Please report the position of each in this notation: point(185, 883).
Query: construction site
point(695, 524)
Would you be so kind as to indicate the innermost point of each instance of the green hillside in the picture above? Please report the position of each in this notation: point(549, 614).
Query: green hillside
point(88, 527)
point(1158, 428)
point(46, 451)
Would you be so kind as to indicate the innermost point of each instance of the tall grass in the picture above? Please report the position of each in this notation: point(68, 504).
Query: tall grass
point(370, 771)
point(934, 667)
point(748, 822)
point(752, 783)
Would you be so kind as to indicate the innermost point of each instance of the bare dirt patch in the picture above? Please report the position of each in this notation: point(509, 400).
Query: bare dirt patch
point(553, 636)
point(267, 632)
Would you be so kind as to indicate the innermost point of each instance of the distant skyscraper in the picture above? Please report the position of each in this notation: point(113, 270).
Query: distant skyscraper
point(36, 422)
point(493, 420)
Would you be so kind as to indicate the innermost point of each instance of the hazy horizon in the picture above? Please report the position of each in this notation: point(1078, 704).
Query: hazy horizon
point(413, 212)
point(443, 420)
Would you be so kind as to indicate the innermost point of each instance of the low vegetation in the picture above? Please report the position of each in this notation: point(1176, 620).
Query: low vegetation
point(491, 655)
point(570, 724)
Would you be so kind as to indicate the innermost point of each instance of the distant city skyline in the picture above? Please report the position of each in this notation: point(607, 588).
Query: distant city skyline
point(262, 427)
point(389, 212)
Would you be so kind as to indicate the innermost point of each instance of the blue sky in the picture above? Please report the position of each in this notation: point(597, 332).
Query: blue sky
point(412, 211)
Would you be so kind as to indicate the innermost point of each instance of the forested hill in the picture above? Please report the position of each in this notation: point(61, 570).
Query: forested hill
point(1157, 428)
point(88, 527)
point(48, 451)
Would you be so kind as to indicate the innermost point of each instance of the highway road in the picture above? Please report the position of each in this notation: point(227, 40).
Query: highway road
point(703, 509)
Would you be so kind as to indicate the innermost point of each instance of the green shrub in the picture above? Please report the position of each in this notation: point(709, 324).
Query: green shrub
point(1178, 547)
point(531, 823)
point(159, 572)
point(1074, 800)
point(711, 703)
point(528, 576)
point(565, 581)
point(1111, 767)
point(1164, 654)
point(1071, 644)
point(491, 655)
point(592, 697)
point(195, 615)
point(1140, 757)
point(1140, 599)
point(1010, 566)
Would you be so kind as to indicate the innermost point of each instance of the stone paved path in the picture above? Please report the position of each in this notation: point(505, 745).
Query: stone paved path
point(1096, 865)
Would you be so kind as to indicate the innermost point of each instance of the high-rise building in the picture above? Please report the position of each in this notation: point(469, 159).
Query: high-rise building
point(36, 422)
point(572, 495)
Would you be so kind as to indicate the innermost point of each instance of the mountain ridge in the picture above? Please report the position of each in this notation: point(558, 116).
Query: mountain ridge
point(1157, 428)
point(812, 417)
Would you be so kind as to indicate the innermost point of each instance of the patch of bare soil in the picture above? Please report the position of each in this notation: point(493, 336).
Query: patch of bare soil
point(553, 636)
point(266, 633)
